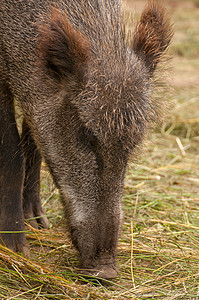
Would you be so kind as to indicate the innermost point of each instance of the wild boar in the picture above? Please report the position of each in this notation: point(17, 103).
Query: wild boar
point(84, 85)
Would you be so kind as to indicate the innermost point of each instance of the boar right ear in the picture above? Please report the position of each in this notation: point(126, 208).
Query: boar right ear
point(62, 49)
point(152, 36)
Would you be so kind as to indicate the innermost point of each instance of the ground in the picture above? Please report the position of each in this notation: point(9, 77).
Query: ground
point(159, 246)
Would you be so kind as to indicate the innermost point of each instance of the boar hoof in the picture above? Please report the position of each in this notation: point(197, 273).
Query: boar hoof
point(15, 242)
point(36, 217)
point(102, 272)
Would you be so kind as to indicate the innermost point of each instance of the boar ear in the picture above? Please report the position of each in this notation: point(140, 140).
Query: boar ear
point(62, 49)
point(152, 36)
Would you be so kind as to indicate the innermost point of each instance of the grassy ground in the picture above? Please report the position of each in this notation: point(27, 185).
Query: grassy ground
point(158, 255)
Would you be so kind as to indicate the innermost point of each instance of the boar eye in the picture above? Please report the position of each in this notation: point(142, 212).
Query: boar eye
point(92, 140)
point(89, 140)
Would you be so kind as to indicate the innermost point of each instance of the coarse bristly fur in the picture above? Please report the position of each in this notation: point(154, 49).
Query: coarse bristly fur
point(85, 88)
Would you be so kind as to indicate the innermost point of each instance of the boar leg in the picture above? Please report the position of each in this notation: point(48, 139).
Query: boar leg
point(11, 177)
point(31, 193)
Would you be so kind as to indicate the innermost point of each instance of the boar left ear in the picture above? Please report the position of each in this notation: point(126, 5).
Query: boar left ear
point(152, 36)
point(63, 51)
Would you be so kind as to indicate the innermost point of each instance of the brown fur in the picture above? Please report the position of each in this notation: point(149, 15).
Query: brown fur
point(85, 88)
point(63, 49)
point(153, 35)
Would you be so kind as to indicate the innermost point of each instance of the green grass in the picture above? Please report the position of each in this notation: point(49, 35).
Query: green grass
point(158, 251)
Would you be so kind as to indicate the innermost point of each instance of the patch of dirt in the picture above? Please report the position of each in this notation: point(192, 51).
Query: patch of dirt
point(138, 5)
point(185, 72)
